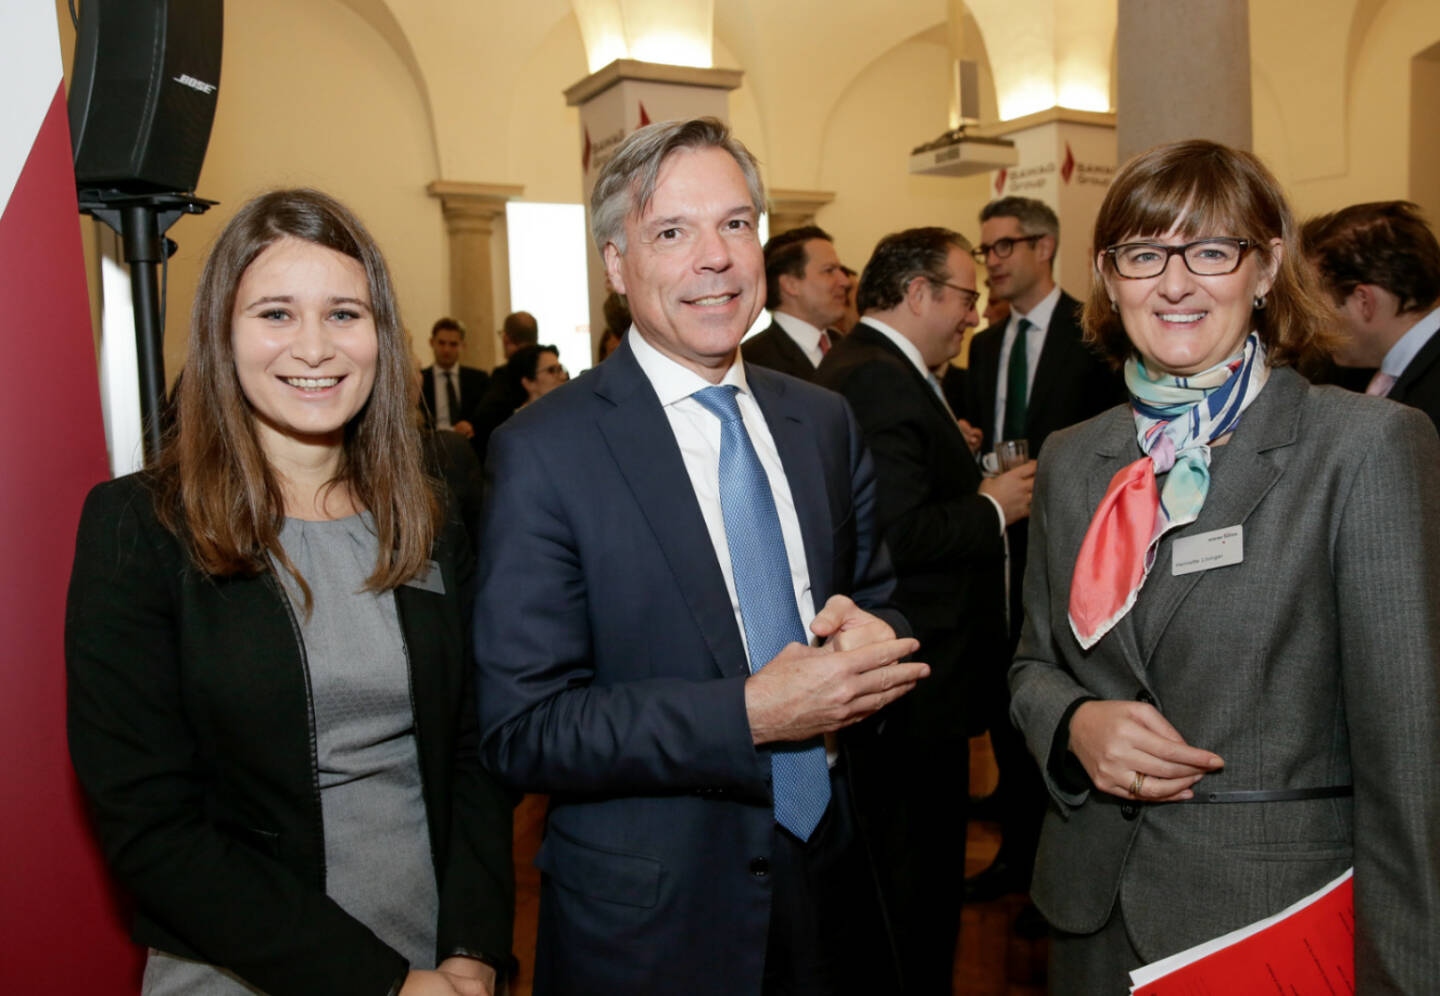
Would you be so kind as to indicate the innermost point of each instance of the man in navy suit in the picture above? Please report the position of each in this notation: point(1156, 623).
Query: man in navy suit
point(616, 626)
point(807, 291)
point(1381, 264)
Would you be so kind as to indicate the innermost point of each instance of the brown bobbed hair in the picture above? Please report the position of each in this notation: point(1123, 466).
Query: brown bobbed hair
point(216, 489)
point(1202, 189)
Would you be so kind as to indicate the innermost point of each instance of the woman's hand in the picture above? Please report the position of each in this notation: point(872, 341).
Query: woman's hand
point(1117, 741)
point(453, 977)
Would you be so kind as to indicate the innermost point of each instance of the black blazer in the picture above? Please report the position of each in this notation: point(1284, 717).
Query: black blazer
point(190, 730)
point(473, 383)
point(1419, 384)
point(1072, 383)
point(944, 537)
point(775, 349)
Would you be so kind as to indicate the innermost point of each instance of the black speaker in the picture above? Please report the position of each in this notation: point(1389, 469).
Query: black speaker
point(143, 91)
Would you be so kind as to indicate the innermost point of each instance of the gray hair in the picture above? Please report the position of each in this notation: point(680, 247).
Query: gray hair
point(627, 182)
point(1035, 217)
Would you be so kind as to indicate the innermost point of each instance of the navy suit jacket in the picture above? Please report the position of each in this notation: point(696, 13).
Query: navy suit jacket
point(612, 673)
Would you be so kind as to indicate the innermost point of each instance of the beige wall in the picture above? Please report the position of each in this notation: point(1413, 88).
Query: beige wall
point(373, 99)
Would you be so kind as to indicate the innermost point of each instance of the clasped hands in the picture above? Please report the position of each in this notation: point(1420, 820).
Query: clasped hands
point(1127, 744)
point(807, 691)
point(452, 977)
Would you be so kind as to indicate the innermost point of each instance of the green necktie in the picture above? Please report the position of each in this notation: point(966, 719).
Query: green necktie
point(1016, 385)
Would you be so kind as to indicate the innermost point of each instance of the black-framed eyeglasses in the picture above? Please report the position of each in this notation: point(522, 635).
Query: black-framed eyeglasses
point(554, 369)
point(1204, 257)
point(972, 295)
point(1002, 248)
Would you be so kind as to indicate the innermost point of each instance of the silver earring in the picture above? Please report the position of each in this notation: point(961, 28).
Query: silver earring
point(1259, 303)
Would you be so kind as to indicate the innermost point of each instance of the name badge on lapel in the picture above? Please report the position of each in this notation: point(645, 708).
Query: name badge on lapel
point(1217, 548)
point(433, 580)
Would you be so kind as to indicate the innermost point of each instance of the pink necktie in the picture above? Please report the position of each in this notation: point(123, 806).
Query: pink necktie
point(1380, 384)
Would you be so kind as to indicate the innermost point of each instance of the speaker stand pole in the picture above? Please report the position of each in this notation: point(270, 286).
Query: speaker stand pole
point(141, 220)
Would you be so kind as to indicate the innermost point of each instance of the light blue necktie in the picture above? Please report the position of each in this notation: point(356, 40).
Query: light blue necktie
point(798, 772)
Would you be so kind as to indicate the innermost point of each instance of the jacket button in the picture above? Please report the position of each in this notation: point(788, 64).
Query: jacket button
point(1145, 696)
point(759, 867)
point(1129, 810)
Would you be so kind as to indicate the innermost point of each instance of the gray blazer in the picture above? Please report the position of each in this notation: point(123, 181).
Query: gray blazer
point(1315, 661)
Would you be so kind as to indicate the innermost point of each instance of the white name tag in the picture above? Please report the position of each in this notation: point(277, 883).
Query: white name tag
point(432, 580)
point(1219, 548)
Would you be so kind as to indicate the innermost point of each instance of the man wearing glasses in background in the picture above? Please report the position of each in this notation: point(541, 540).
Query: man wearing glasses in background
point(943, 525)
point(1028, 376)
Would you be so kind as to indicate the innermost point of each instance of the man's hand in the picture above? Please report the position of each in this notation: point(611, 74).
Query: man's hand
point(973, 436)
point(843, 625)
point(421, 982)
point(463, 428)
point(807, 691)
point(1012, 490)
point(1118, 740)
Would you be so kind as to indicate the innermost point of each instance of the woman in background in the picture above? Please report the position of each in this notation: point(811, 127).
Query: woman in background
point(1230, 665)
point(270, 705)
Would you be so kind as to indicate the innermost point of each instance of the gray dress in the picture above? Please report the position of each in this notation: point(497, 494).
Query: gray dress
point(378, 864)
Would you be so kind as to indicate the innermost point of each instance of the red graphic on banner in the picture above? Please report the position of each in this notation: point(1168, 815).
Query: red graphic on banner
point(644, 118)
point(585, 155)
point(56, 893)
point(1000, 182)
point(1068, 166)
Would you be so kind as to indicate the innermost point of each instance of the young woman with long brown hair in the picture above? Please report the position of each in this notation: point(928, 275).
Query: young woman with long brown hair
point(270, 704)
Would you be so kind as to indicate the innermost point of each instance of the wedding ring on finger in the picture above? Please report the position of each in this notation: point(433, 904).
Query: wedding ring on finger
point(1137, 784)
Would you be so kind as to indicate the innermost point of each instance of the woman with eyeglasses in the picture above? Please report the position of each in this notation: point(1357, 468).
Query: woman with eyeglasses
point(271, 705)
point(1230, 664)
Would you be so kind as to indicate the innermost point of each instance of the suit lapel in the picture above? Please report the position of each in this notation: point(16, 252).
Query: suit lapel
point(1054, 359)
point(1254, 461)
point(643, 445)
point(791, 426)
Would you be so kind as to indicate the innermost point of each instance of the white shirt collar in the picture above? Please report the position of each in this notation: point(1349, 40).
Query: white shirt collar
point(673, 381)
point(806, 336)
point(1414, 340)
point(911, 351)
point(1039, 315)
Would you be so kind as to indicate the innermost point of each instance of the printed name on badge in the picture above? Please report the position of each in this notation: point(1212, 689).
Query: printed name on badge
point(1217, 548)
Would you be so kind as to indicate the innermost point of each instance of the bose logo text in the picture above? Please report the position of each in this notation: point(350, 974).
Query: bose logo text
point(185, 79)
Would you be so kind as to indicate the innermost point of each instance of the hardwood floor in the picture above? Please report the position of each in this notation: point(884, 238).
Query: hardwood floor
point(992, 961)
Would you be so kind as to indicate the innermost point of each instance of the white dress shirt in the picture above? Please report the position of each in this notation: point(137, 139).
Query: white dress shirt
point(443, 417)
point(1039, 318)
point(806, 336)
point(698, 432)
point(1414, 340)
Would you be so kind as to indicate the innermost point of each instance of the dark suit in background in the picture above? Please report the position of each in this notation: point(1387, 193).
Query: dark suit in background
point(1072, 383)
point(945, 541)
point(612, 676)
point(1419, 384)
point(472, 387)
point(775, 349)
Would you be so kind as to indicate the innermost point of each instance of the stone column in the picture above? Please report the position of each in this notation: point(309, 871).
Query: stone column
point(473, 213)
point(794, 208)
point(1066, 160)
point(1183, 72)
